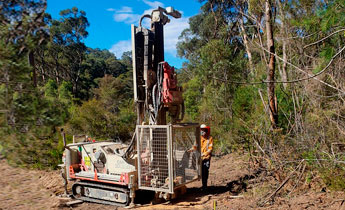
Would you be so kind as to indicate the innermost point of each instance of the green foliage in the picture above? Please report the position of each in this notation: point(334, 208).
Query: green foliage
point(327, 53)
point(91, 117)
point(217, 61)
point(89, 91)
point(30, 139)
point(256, 7)
point(62, 56)
point(192, 97)
point(332, 15)
point(29, 151)
point(286, 105)
point(237, 114)
point(334, 177)
point(110, 114)
point(66, 72)
point(114, 91)
point(65, 92)
point(244, 101)
point(73, 25)
point(51, 89)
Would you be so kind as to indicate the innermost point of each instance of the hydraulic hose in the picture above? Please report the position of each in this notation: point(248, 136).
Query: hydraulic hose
point(142, 17)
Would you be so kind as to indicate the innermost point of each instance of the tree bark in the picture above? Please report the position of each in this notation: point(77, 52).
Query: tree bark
point(246, 44)
point(283, 33)
point(32, 64)
point(271, 66)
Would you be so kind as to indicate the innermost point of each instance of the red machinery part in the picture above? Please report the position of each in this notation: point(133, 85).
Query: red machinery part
point(171, 93)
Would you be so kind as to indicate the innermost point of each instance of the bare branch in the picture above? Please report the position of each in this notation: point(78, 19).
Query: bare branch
point(324, 38)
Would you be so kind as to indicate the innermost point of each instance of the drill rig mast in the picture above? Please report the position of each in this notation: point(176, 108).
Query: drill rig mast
point(155, 84)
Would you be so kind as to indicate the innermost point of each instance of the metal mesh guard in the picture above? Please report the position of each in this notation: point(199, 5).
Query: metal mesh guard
point(186, 164)
point(153, 158)
point(163, 158)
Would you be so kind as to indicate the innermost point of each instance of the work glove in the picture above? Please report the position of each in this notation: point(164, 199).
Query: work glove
point(204, 154)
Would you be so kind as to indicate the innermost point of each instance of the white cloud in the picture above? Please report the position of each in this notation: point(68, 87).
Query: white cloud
point(126, 17)
point(125, 10)
point(154, 4)
point(172, 30)
point(125, 14)
point(120, 47)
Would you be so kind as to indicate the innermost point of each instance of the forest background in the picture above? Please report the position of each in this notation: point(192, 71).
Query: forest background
point(266, 75)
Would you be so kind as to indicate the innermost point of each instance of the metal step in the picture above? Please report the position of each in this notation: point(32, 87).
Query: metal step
point(91, 175)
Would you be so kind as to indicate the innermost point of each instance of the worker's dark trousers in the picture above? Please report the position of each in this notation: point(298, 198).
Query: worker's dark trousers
point(204, 172)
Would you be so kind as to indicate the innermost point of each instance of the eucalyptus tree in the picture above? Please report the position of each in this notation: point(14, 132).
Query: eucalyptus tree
point(62, 57)
point(28, 134)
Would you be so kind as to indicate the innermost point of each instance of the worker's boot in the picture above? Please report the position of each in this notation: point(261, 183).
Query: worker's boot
point(204, 188)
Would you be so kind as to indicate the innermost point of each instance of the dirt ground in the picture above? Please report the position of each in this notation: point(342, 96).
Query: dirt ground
point(233, 185)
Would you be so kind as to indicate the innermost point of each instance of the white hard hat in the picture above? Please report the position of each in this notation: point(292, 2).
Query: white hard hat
point(203, 126)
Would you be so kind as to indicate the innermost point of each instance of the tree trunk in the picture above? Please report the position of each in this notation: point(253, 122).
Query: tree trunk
point(56, 71)
point(32, 64)
point(283, 33)
point(271, 67)
point(246, 44)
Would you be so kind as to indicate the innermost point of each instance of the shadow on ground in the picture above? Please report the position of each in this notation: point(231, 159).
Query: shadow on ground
point(196, 195)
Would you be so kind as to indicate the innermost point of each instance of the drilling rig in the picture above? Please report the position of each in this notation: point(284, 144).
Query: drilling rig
point(155, 83)
point(157, 158)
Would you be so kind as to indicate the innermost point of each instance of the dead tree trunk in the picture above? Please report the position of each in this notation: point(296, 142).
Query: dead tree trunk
point(246, 43)
point(283, 33)
point(271, 66)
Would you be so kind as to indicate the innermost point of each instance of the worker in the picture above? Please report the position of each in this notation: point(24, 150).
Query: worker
point(206, 152)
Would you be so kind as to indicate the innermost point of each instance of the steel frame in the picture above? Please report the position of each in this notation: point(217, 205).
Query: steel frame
point(169, 144)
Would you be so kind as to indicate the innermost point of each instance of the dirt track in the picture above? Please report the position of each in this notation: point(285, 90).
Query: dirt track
point(232, 186)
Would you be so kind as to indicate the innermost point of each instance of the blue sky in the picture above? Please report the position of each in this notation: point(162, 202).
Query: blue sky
point(110, 22)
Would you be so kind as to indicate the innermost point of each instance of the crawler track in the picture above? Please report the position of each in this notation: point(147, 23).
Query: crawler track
point(100, 193)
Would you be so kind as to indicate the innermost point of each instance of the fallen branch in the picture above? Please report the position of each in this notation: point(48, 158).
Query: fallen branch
point(299, 179)
point(236, 196)
point(271, 196)
point(75, 202)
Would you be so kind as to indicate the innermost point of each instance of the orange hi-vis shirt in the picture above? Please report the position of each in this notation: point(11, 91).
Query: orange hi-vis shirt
point(206, 147)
